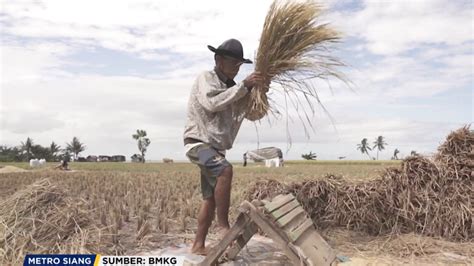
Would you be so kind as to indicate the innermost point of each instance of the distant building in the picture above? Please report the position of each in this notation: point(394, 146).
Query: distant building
point(104, 158)
point(81, 159)
point(137, 158)
point(167, 160)
point(91, 158)
point(118, 158)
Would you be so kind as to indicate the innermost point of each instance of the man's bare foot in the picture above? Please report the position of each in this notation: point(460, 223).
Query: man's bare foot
point(200, 250)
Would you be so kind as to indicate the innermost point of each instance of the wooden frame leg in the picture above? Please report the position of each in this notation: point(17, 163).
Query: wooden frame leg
point(269, 229)
point(242, 240)
point(232, 234)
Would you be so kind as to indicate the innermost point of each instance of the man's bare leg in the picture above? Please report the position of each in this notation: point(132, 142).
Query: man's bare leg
point(205, 217)
point(222, 199)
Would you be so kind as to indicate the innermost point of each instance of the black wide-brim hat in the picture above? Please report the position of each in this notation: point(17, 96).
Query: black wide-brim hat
point(232, 48)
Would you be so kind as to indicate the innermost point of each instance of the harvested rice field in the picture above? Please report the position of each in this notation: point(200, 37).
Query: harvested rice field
point(415, 211)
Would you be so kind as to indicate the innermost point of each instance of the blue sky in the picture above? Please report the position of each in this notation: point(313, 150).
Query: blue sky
point(99, 70)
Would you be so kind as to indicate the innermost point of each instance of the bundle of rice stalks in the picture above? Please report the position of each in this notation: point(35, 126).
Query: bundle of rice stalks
point(294, 49)
point(37, 219)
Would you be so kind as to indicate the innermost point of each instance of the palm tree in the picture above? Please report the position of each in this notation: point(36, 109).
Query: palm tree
point(41, 152)
point(364, 147)
point(142, 142)
point(395, 154)
point(10, 154)
point(54, 149)
point(75, 147)
point(379, 143)
point(26, 147)
point(309, 156)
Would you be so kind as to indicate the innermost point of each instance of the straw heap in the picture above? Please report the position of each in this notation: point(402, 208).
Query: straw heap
point(38, 219)
point(433, 197)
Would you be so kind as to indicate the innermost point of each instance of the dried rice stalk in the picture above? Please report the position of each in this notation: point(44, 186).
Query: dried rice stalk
point(294, 48)
point(39, 218)
point(265, 189)
point(433, 197)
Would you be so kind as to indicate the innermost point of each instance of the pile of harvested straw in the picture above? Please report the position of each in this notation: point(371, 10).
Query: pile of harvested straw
point(433, 197)
point(265, 189)
point(11, 169)
point(456, 154)
point(38, 219)
point(294, 49)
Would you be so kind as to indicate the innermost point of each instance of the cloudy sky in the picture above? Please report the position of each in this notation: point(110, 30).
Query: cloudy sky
point(99, 70)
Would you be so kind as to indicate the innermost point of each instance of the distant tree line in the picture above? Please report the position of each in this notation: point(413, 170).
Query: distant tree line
point(364, 147)
point(28, 150)
point(53, 153)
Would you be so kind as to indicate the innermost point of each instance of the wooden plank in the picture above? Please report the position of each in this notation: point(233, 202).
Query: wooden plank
point(214, 254)
point(278, 201)
point(243, 239)
point(316, 248)
point(308, 249)
point(282, 221)
point(277, 235)
point(294, 235)
point(277, 197)
point(285, 209)
point(295, 223)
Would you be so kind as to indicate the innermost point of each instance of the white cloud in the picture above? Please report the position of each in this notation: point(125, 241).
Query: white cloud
point(140, 26)
point(31, 122)
point(393, 27)
point(104, 110)
point(415, 76)
point(30, 62)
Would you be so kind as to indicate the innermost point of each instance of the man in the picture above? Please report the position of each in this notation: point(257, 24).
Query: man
point(64, 163)
point(216, 109)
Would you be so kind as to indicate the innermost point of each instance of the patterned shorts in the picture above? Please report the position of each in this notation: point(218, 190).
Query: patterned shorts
point(211, 163)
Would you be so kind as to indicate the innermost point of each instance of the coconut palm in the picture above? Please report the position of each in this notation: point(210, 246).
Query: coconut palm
point(10, 154)
point(142, 142)
point(379, 143)
point(41, 152)
point(54, 149)
point(309, 156)
point(75, 147)
point(26, 148)
point(364, 147)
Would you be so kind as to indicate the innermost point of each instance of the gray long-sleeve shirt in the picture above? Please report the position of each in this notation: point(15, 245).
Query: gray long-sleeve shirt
point(215, 112)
